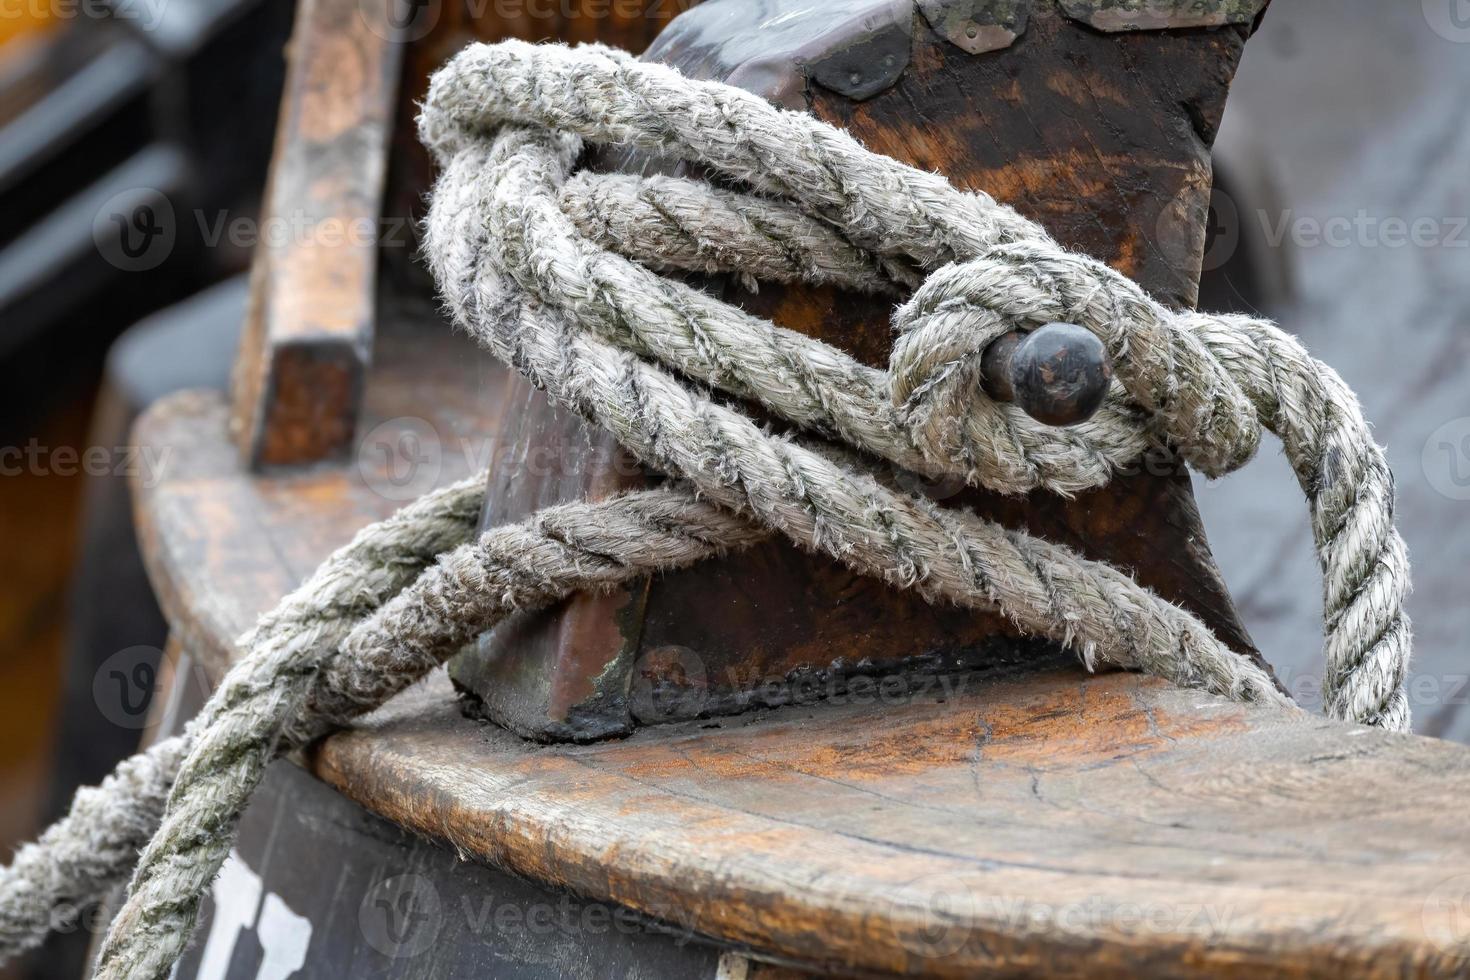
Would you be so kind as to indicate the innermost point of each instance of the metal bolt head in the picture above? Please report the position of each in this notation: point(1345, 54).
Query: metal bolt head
point(1059, 374)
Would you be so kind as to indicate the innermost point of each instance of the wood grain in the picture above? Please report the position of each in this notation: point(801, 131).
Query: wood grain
point(1007, 822)
point(1046, 824)
point(308, 337)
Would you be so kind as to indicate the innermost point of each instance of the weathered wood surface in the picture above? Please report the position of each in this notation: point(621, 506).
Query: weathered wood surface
point(1104, 138)
point(223, 544)
point(1022, 822)
point(309, 331)
point(1045, 824)
point(1030, 823)
point(316, 884)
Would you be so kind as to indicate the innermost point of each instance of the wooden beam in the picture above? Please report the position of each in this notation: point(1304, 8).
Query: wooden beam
point(308, 337)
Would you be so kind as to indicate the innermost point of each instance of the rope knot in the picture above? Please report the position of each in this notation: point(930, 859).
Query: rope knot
point(935, 369)
point(1187, 395)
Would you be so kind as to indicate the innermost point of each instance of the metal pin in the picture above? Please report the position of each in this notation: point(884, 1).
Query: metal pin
point(1057, 374)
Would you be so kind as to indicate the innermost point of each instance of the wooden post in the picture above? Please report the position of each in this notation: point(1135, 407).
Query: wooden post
point(1103, 137)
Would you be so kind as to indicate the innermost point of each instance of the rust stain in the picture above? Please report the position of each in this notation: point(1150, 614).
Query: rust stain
point(1088, 174)
point(1095, 721)
point(1086, 89)
point(1128, 258)
point(590, 640)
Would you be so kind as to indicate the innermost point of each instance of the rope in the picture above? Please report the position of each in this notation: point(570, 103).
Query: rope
point(555, 272)
point(506, 124)
point(369, 622)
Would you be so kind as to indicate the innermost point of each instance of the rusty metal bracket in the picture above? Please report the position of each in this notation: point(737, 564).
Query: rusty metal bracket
point(867, 56)
point(977, 26)
point(1154, 15)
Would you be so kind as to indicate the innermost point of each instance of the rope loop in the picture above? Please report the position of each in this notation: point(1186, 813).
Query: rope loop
point(1191, 400)
point(533, 260)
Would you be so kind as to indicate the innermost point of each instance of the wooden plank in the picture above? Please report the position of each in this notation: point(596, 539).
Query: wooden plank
point(1038, 824)
point(298, 382)
point(297, 386)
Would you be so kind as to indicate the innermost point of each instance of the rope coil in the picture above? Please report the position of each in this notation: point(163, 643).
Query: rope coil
point(556, 273)
point(506, 125)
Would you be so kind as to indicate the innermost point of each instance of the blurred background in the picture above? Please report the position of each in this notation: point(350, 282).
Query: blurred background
point(1340, 209)
point(1352, 117)
point(96, 100)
